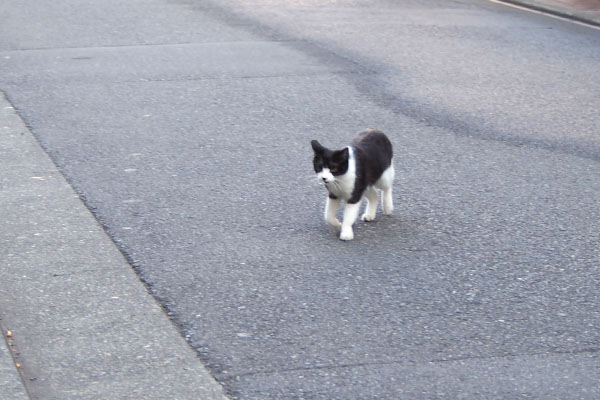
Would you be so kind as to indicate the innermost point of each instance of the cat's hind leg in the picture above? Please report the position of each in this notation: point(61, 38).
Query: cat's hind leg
point(385, 184)
point(372, 199)
point(331, 207)
point(388, 202)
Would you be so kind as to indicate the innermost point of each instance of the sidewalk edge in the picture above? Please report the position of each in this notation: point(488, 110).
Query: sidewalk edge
point(578, 16)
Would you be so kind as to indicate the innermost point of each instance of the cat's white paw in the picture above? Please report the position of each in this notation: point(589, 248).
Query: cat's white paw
point(388, 209)
point(347, 234)
point(367, 217)
point(335, 223)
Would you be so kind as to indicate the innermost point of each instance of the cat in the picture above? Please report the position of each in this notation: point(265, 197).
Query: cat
point(352, 173)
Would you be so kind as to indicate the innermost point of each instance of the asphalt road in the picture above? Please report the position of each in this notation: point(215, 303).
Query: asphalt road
point(185, 125)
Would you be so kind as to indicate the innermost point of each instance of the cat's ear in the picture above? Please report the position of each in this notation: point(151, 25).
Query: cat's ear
point(341, 156)
point(317, 148)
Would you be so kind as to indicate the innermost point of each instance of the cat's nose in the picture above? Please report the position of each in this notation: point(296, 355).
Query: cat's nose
point(324, 179)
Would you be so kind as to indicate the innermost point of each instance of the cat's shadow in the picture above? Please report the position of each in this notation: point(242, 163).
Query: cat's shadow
point(386, 230)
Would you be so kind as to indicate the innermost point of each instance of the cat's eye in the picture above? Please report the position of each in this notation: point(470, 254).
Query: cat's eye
point(333, 170)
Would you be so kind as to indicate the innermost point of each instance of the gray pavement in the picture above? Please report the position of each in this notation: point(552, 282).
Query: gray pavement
point(85, 327)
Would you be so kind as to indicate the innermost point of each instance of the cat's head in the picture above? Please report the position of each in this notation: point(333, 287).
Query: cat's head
point(329, 164)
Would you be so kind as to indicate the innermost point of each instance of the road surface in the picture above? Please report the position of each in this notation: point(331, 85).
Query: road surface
point(185, 125)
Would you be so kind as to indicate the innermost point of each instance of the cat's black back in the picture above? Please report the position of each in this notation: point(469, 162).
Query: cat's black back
point(373, 152)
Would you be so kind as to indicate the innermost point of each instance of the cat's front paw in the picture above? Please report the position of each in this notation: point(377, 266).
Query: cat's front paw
point(347, 234)
point(367, 217)
point(335, 223)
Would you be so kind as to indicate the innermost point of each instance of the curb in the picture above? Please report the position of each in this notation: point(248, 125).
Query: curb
point(10, 379)
point(575, 15)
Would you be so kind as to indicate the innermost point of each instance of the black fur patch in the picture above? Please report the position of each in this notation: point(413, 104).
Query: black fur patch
point(373, 152)
point(335, 160)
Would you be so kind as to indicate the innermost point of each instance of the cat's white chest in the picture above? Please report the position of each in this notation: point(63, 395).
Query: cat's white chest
point(343, 185)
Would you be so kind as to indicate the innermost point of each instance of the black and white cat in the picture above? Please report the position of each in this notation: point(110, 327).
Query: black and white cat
point(353, 173)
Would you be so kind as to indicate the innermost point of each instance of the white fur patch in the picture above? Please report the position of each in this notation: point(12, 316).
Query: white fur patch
point(385, 184)
point(387, 178)
point(342, 185)
point(325, 175)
